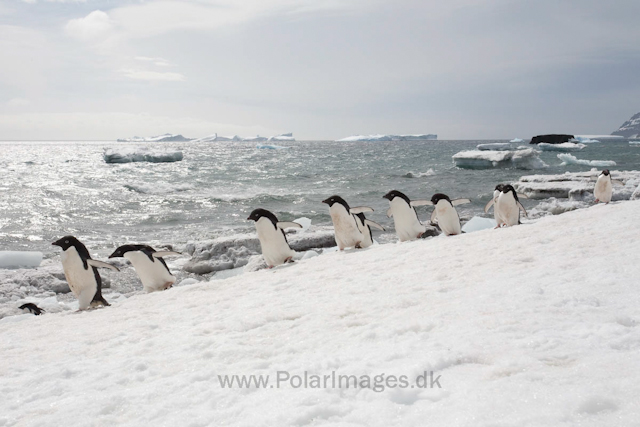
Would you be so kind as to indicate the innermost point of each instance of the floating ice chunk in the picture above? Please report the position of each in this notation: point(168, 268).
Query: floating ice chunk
point(520, 159)
point(568, 159)
point(271, 147)
point(565, 146)
point(517, 140)
point(635, 143)
point(20, 259)
point(430, 172)
point(140, 154)
point(304, 222)
point(584, 139)
point(495, 146)
point(478, 223)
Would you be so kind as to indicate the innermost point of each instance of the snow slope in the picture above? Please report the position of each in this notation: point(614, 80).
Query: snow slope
point(534, 325)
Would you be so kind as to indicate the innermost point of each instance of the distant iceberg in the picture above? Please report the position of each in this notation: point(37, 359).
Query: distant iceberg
point(282, 137)
point(565, 146)
point(215, 137)
point(140, 154)
point(378, 138)
point(568, 159)
point(270, 147)
point(167, 137)
point(584, 139)
point(517, 140)
point(495, 146)
point(521, 159)
point(256, 138)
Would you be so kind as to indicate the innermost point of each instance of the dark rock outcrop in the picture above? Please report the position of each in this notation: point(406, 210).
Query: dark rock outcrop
point(551, 139)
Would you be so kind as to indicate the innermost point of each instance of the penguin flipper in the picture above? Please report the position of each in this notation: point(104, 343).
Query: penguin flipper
point(434, 218)
point(287, 224)
point(617, 182)
point(159, 254)
point(360, 209)
point(415, 203)
point(389, 213)
point(373, 224)
point(488, 205)
point(100, 264)
point(522, 209)
point(456, 202)
point(522, 196)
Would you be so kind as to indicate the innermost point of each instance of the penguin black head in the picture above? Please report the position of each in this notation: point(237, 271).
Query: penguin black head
point(120, 251)
point(605, 172)
point(508, 188)
point(439, 196)
point(499, 187)
point(68, 241)
point(395, 193)
point(336, 199)
point(259, 213)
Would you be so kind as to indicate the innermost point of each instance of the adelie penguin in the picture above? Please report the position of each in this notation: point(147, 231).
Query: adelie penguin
point(365, 225)
point(497, 212)
point(445, 213)
point(81, 272)
point(508, 207)
point(345, 222)
point(402, 209)
point(603, 190)
point(149, 265)
point(273, 241)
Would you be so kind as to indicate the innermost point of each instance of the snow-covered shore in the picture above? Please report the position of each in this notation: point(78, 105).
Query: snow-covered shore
point(537, 324)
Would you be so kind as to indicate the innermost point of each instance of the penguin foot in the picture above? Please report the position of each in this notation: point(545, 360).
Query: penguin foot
point(597, 201)
point(167, 286)
point(288, 260)
point(357, 246)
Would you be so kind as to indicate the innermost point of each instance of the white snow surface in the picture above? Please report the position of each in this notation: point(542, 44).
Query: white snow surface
point(532, 325)
point(521, 159)
point(565, 146)
point(140, 154)
point(20, 259)
point(568, 159)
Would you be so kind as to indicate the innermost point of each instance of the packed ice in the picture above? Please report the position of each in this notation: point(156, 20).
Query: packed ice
point(565, 146)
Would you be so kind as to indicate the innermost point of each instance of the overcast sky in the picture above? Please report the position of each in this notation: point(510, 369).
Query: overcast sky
point(322, 69)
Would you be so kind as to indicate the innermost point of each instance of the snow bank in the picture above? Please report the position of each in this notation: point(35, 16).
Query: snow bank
point(478, 223)
point(495, 146)
point(565, 146)
point(140, 154)
point(568, 159)
point(234, 252)
point(521, 159)
point(518, 325)
point(378, 138)
point(577, 186)
point(20, 259)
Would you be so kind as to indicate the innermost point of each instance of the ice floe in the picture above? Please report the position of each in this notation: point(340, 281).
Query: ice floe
point(140, 154)
point(565, 146)
point(568, 159)
point(495, 146)
point(520, 159)
point(517, 140)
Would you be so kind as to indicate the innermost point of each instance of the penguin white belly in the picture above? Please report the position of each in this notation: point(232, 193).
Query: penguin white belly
point(603, 190)
point(347, 233)
point(153, 275)
point(447, 218)
point(406, 221)
point(366, 235)
point(508, 209)
point(496, 212)
point(275, 248)
point(81, 282)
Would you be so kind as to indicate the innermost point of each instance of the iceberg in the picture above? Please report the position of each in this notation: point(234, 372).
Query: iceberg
point(140, 154)
point(568, 159)
point(384, 138)
point(256, 138)
point(495, 146)
point(584, 139)
point(282, 137)
point(565, 146)
point(517, 140)
point(20, 259)
point(520, 159)
point(167, 137)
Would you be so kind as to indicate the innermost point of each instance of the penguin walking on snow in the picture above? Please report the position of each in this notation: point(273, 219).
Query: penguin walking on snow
point(508, 206)
point(405, 218)
point(603, 190)
point(445, 213)
point(365, 225)
point(345, 222)
point(81, 272)
point(149, 265)
point(496, 212)
point(273, 241)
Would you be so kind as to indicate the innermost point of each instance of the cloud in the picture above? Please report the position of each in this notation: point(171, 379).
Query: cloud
point(151, 75)
point(160, 62)
point(93, 27)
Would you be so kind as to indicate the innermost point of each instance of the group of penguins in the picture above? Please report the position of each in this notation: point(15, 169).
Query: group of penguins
point(352, 230)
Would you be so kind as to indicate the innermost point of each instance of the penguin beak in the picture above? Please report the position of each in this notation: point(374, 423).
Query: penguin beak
point(56, 243)
point(326, 201)
point(249, 219)
point(387, 196)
